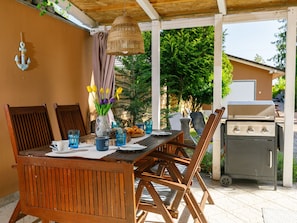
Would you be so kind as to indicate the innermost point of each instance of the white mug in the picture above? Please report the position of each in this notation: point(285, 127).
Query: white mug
point(60, 145)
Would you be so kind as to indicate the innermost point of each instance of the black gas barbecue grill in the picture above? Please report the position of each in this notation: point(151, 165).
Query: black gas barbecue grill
point(250, 140)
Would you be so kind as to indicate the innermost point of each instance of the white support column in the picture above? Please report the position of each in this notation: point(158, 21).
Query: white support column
point(156, 97)
point(289, 97)
point(217, 93)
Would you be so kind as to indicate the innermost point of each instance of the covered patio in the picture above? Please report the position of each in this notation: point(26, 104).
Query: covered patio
point(246, 199)
point(176, 14)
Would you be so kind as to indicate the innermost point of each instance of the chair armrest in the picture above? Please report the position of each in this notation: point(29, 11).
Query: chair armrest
point(162, 181)
point(170, 157)
point(181, 145)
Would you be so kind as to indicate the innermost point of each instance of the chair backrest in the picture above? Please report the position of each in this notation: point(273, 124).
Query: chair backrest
point(29, 127)
point(198, 122)
point(200, 150)
point(174, 121)
point(70, 117)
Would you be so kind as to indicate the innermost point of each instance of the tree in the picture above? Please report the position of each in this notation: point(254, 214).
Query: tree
point(186, 70)
point(280, 58)
point(187, 57)
point(135, 79)
point(47, 5)
point(279, 87)
point(259, 59)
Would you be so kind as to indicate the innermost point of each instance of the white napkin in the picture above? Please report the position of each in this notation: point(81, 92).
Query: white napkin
point(89, 152)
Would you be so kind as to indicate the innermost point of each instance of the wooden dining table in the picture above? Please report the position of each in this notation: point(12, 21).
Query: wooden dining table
point(77, 189)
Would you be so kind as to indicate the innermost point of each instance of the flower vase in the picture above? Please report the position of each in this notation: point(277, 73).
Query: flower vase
point(102, 126)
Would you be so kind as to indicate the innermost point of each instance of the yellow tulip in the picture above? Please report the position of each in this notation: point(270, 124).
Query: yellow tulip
point(119, 90)
point(94, 88)
point(107, 91)
point(89, 89)
point(101, 91)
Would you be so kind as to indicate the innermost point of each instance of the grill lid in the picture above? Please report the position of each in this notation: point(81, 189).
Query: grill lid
point(251, 110)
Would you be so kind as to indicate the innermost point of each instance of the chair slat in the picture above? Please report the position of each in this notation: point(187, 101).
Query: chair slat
point(70, 117)
point(29, 127)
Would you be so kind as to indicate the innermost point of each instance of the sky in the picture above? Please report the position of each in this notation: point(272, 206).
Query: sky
point(245, 40)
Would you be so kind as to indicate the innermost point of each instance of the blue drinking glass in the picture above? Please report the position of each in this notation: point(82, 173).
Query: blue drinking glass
point(120, 137)
point(148, 126)
point(73, 137)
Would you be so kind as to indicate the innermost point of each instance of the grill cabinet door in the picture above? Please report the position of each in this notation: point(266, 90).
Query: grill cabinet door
point(251, 157)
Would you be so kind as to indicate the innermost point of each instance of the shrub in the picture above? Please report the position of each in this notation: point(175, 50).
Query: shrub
point(280, 165)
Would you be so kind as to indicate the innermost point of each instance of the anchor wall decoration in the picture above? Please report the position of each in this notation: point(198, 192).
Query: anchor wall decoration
point(23, 65)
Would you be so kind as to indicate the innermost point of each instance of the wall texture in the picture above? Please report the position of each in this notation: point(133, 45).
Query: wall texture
point(61, 67)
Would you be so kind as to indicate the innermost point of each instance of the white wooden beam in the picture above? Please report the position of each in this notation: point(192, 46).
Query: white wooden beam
point(222, 6)
point(209, 21)
point(255, 16)
point(187, 23)
point(99, 29)
point(217, 93)
point(290, 97)
point(149, 9)
point(156, 89)
point(145, 26)
point(179, 23)
point(76, 13)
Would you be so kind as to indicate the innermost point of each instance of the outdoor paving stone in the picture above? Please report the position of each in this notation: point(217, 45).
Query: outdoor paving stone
point(249, 215)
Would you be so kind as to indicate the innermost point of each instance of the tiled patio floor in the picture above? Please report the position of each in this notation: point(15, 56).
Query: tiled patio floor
point(242, 202)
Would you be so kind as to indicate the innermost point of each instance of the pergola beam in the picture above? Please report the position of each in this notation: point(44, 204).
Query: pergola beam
point(76, 13)
point(156, 89)
point(222, 6)
point(290, 97)
point(149, 9)
point(217, 93)
point(209, 21)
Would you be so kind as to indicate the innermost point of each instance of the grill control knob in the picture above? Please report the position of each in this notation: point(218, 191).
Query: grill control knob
point(236, 129)
point(250, 130)
point(264, 130)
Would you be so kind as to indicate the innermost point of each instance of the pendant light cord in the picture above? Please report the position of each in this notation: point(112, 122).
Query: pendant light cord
point(124, 7)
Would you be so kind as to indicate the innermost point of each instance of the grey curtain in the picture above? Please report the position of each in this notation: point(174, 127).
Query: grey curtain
point(103, 64)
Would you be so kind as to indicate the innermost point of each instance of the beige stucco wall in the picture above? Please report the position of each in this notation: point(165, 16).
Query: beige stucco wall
point(59, 71)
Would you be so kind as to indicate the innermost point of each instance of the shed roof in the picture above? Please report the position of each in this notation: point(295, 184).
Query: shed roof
point(272, 70)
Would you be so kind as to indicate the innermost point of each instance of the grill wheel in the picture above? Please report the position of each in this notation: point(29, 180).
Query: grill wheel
point(225, 180)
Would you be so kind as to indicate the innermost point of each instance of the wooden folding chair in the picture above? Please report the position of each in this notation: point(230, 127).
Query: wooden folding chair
point(29, 127)
point(162, 193)
point(70, 117)
point(181, 150)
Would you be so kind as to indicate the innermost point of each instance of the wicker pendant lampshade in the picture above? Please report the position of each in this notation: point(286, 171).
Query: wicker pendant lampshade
point(124, 37)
